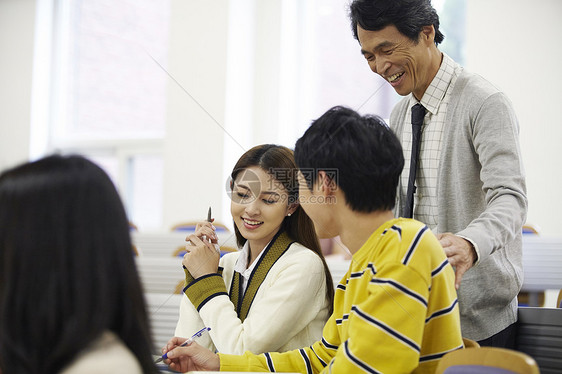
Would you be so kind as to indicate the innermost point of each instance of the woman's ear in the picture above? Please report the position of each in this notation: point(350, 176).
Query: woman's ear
point(292, 208)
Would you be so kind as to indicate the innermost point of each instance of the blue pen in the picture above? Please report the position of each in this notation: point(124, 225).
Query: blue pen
point(197, 335)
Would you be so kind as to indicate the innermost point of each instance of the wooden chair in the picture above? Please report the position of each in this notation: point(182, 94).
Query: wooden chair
point(136, 250)
point(179, 287)
point(179, 252)
point(134, 228)
point(529, 228)
point(559, 300)
point(469, 343)
point(485, 360)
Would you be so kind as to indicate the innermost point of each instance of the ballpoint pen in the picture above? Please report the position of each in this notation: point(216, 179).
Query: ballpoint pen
point(195, 336)
point(209, 219)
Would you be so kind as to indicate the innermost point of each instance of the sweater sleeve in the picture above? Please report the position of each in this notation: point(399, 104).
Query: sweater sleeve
point(291, 297)
point(396, 124)
point(495, 135)
point(387, 324)
point(189, 321)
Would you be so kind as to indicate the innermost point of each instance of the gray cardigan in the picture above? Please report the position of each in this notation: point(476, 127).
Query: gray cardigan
point(481, 195)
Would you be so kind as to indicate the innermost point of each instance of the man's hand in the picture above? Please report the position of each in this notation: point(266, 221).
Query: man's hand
point(460, 252)
point(191, 357)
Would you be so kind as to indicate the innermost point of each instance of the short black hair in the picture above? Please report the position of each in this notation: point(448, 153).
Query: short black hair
point(409, 17)
point(361, 152)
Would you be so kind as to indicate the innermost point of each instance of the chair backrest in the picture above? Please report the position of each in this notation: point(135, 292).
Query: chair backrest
point(539, 334)
point(179, 252)
point(529, 228)
point(469, 343)
point(559, 300)
point(487, 360)
point(136, 250)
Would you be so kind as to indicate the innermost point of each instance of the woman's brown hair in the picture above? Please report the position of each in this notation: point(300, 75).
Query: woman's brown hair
point(279, 162)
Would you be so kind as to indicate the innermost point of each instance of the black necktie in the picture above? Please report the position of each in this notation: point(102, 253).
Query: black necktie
point(418, 112)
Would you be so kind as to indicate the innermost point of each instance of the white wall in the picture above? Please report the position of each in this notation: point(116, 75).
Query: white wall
point(513, 44)
point(17, 18)
point(517, 45)
point(195, 113)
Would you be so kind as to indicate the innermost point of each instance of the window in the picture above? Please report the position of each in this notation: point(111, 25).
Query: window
point(323, 67)
point(108, 94)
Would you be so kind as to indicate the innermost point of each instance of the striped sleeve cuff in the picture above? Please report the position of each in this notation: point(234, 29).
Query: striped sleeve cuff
point(204, 289)
point(188, 277)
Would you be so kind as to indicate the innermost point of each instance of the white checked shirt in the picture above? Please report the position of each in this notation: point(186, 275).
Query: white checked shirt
point(435, 100)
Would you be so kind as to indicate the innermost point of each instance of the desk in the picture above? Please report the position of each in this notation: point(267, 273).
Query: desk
point(542, 265)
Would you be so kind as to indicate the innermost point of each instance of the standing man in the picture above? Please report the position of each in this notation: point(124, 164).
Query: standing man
point(467, 182)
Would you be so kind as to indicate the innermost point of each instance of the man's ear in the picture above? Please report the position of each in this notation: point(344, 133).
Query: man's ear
point(327, 184)
point(427, 34)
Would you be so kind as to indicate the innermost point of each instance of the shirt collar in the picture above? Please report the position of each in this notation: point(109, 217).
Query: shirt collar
point(241, 265)
point(436, 91)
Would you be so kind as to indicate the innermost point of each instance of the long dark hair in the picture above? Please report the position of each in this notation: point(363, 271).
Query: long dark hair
point(279, 162)
point(67, 272)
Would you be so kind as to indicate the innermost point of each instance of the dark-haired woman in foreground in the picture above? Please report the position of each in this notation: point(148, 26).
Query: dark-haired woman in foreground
point(70, 297)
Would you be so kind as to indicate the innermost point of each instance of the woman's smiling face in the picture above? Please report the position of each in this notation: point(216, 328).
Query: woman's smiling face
point(259, 205)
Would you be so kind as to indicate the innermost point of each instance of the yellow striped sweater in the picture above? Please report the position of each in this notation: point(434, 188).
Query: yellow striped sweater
point(395, 311)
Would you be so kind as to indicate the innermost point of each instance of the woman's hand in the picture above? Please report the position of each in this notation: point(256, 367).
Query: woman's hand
point(191, 357)
point(206, 230)
point(202, 257)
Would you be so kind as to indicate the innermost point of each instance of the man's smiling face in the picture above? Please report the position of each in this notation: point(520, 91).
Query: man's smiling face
point(405, 64)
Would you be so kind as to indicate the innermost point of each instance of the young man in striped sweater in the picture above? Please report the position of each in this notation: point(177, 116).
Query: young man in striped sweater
point(395, 311)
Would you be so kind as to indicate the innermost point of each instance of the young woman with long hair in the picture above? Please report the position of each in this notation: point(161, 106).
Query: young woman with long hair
point(276, 293)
